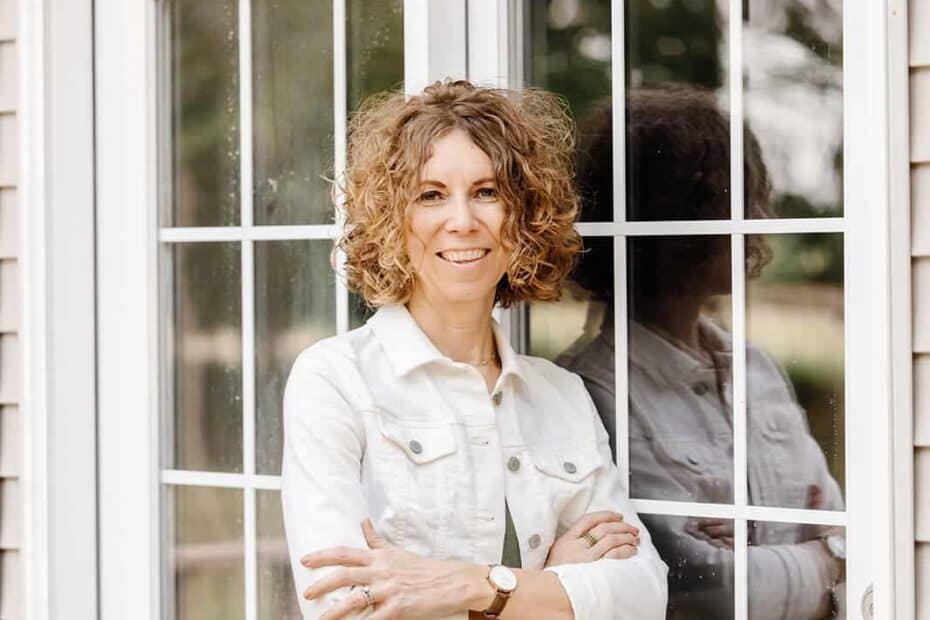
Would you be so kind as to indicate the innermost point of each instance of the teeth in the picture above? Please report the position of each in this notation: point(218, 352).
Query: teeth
point(463, 256)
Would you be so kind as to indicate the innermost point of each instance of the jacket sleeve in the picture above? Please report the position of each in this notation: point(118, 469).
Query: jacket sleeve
point(785, 580)
point(607, 589)
point(321, 495)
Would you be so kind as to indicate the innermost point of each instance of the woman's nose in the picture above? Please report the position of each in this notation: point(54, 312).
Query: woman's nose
point(461, 215)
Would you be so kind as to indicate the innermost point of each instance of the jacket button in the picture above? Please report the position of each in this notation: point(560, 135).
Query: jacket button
point(513, 464)
point(415, 446)
point(569, 467)
point(535, 539)
point(700, 388)
point(496, 398)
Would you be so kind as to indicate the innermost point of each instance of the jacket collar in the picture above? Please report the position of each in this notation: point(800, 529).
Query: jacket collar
point(408, 347)
point(655, 355)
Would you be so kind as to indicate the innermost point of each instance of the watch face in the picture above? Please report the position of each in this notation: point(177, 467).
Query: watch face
point(837, 546)
point(503, 578)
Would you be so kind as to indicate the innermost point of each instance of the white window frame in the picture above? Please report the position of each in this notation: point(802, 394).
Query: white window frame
point(55, 114)
point(436, 45)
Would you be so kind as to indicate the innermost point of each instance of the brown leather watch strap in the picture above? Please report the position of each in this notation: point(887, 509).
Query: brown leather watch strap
point(497, 605)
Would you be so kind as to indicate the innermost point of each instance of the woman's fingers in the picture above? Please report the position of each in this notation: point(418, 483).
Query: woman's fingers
point(612, 541)
point(340, 578)
point(718, 531)
point(588, 521)
point(342, 556)
point(355, 601)
point(621, 553)
point(614, 527)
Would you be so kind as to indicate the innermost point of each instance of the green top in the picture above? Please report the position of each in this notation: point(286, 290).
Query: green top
point(511, 555)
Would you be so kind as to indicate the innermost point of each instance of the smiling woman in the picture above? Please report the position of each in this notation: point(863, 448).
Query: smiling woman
point(429, 470)
point(516, 146)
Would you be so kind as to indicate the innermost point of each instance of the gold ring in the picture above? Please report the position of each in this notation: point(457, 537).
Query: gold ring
point(591, 538)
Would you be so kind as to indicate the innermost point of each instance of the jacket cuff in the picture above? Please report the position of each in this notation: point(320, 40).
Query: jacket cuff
point(580, 590)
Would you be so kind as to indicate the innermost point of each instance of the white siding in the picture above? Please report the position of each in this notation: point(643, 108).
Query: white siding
point(10, 359)
point(919, 20)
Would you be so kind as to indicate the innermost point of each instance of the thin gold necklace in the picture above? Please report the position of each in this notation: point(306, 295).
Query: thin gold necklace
point(484, 362)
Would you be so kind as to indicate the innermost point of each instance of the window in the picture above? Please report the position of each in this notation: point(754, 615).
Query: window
point(707, 314)
point(249, 108)
point(253, 115)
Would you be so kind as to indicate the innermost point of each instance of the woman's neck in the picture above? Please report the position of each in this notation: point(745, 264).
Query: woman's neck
point(677, 317)
point(461, 331)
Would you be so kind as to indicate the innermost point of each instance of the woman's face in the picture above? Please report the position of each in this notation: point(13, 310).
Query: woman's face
point(454, 233)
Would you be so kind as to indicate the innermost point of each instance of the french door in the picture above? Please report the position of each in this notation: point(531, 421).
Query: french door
point(215, 229)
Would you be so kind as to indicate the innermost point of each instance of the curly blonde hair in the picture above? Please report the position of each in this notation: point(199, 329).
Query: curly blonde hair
point(529, 137)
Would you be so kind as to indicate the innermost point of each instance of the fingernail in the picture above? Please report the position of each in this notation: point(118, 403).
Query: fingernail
point(308, 594)
point(306, 560)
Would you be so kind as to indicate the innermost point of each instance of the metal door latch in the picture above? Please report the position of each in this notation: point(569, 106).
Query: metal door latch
point(867, 608)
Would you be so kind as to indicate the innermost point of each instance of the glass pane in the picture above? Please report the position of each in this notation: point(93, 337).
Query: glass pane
point(568, 52)
point(203, 62)
point(795, 377)
point(277, 599)
point(676, 42)
point(374, 47)
point(680, 368)
point(796, 570)
point(793, 98)
point(359, 312)
point(202, 357)
point(292, 48)
point(204, 548)
point(678, 137)
point(577, 332)
point(295, 305)
point(699, 554)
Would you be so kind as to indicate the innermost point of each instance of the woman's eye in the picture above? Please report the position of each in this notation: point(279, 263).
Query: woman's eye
point(430, 196)
point(490, 192)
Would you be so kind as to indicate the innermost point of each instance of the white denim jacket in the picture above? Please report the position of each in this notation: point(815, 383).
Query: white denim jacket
point(378, 423)
point(681, 449)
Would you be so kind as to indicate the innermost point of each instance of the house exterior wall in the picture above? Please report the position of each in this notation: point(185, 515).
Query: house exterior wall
point(919, 19)
point(10, 442)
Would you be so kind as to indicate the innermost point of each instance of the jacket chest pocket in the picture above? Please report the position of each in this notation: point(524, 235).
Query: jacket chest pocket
point(419, 472)
point(779, 460)
point(567, 474)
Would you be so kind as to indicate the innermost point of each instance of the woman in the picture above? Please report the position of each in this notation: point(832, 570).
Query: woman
point(420, 448)
point(680, 378)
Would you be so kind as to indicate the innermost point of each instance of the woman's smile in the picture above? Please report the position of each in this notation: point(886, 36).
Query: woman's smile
point(463, 257)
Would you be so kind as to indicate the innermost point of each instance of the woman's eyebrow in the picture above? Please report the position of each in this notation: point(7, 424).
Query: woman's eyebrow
point(441, 184)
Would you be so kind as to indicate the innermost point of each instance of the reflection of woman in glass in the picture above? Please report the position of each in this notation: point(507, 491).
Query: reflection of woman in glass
point(452, 451)
point(680, 381)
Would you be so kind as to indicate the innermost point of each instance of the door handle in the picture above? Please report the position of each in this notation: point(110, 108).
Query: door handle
point(867, 607)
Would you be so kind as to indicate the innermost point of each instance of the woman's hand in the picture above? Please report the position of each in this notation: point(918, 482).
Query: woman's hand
point(402, 584)
point(616, 539)
point(718, 532)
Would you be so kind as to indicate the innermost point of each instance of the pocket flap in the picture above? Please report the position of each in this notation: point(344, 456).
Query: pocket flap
point(421, 444)
point(570, 464)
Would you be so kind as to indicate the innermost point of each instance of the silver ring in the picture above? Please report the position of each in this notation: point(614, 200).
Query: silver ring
point(369, 596)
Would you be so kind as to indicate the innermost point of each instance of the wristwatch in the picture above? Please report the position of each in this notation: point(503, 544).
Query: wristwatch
point(836, 546)
point(504, 582)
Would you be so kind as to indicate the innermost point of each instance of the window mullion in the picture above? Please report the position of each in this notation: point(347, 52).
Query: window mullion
point(246, 180)
point(738, 308)
point(339, 135)
point(618, 146)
